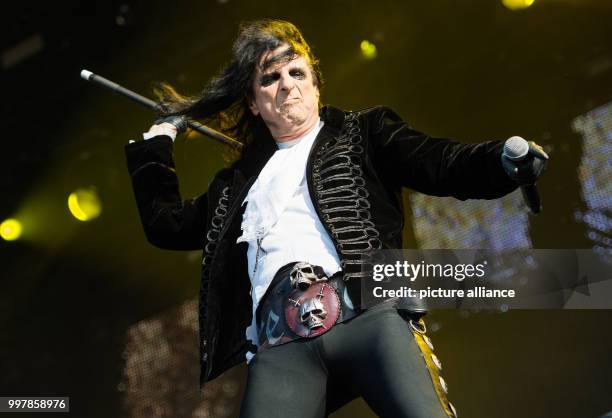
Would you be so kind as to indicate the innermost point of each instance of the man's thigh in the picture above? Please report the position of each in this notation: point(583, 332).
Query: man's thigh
point(285, 381)
point(390, 365)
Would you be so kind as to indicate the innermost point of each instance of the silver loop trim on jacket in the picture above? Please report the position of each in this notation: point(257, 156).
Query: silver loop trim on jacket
point(343, 199)
point(212, 237)
point(216, 225)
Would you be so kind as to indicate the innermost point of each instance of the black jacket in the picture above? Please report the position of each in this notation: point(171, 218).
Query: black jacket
point(355, 171)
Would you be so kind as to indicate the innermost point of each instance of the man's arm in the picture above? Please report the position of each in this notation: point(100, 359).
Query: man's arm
point(435, 166)
point(168, 221)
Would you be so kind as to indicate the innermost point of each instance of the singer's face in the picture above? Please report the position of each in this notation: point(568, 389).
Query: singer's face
point(285, 94)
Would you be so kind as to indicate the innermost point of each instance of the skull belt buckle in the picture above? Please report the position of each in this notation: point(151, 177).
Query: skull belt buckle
point(313, 307)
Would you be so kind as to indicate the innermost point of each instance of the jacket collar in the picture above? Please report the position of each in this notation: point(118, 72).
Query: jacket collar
point(333, 118)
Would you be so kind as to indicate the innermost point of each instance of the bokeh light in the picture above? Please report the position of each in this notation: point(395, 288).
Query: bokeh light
point(368, 50)
point(10, 229)
point(84, 204)
point(517, 4)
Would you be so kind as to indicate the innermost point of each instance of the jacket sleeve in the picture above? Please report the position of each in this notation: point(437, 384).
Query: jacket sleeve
point(168, 221)
point(405, 157)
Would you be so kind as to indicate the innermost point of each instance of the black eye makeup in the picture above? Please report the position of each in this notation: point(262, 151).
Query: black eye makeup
point(297, 73)
point(270, 78)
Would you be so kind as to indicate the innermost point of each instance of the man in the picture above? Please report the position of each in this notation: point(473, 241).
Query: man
point(283, 230)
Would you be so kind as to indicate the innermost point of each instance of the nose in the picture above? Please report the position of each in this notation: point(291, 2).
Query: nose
point(286, 82)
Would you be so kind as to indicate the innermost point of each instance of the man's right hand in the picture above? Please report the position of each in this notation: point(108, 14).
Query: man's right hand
point(162, 129)
point(169, 125)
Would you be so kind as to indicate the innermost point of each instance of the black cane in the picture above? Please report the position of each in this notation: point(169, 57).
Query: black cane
point(141, 100)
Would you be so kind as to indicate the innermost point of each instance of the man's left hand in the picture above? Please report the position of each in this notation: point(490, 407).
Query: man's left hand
point(529, 168)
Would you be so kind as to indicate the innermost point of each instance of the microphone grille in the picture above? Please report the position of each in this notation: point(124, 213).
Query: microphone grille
point(516, 148)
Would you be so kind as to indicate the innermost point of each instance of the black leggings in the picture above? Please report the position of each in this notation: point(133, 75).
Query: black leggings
point(376, 355)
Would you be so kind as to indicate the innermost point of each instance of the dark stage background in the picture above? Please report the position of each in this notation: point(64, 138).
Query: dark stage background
point(90, 310)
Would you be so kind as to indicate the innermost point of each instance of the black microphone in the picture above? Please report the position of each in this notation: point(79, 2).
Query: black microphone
point(516, 149)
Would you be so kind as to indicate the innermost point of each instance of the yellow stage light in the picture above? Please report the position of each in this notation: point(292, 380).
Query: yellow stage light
point(517, 4)
point(84, 204)
point(10, 229)
point(368, 50)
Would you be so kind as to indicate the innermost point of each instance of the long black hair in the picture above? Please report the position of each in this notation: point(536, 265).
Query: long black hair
point(225, 99)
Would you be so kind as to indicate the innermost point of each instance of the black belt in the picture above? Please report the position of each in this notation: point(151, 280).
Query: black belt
point(302, 302)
